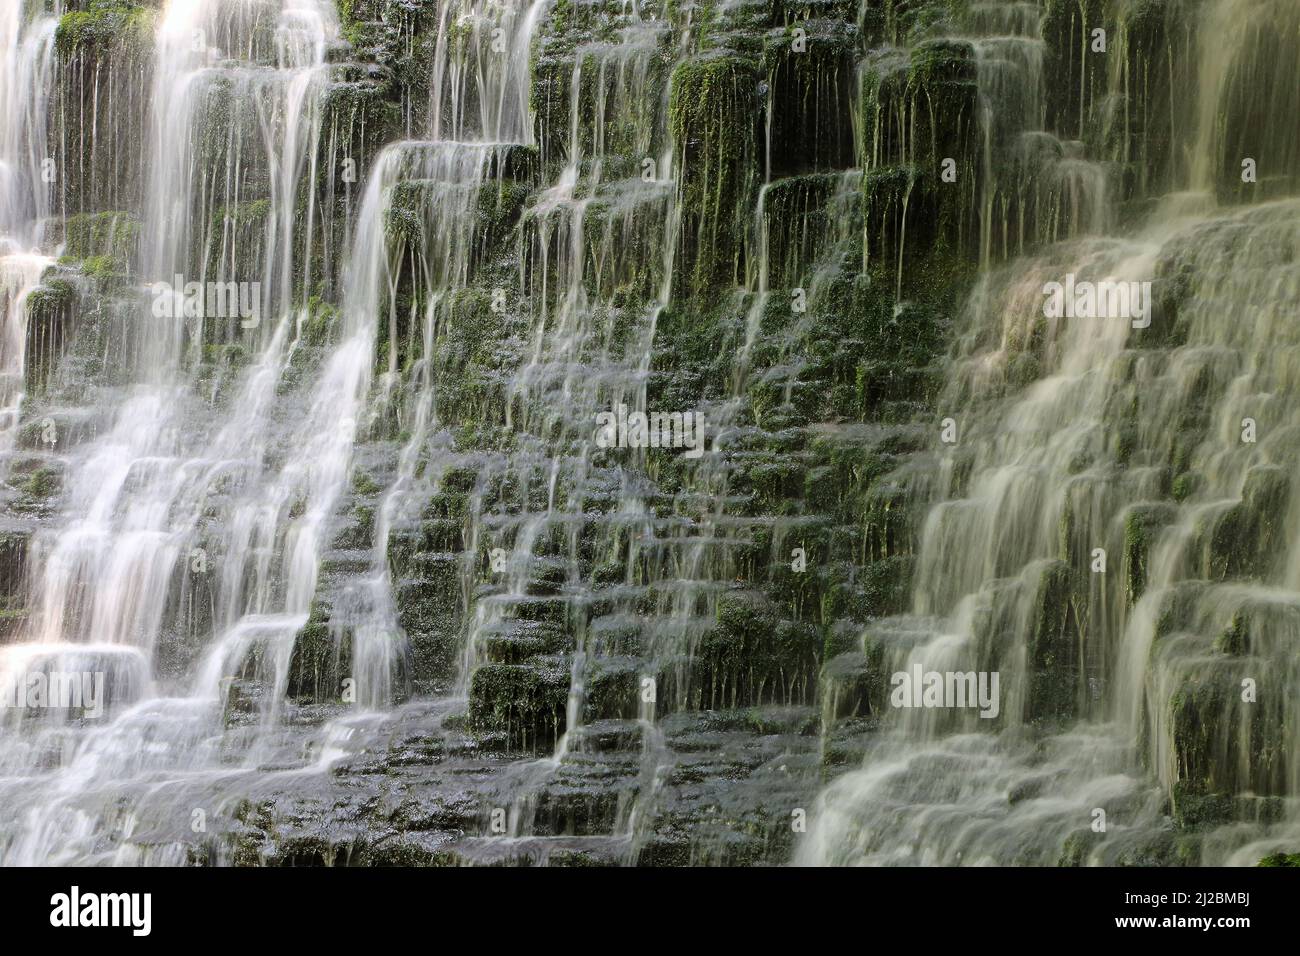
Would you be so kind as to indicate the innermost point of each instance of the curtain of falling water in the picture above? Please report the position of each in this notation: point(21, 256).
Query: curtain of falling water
point(138, 494)
point(573, 244)
point(139, 497)
point(26, 49)
point(479, 118)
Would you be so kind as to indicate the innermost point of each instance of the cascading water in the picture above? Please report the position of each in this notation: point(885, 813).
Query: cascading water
point(141, 495)
point(1128, 439)
point(27, 47)
point(573, 373)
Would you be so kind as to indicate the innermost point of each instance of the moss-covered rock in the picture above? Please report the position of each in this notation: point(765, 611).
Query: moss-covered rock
point(1281, 859)
point(526, 701)
point(321, 659)
point(714, 122)
point(99, 117)
point(1246, 540)
point(810, 96)
point(1142, 525)
point(51, 312)
point(1054, 650)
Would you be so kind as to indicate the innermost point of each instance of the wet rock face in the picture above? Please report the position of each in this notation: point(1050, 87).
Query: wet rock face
point(100, 106)
point(519, 579)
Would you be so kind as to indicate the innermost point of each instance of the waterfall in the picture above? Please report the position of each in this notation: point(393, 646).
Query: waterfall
point(138, 508)
point(545, 432)
point(1111, 539)
point(27, 48)
point(583, 236)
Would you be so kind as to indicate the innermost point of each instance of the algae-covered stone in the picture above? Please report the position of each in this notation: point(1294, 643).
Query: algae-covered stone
point(1281, 859)
point(526, 701)
point(1248, 538)
point(51, 312)
point(714, 121)
point(99, 106)
point(1142, 525)
point(811, 79)
point(1053, 657)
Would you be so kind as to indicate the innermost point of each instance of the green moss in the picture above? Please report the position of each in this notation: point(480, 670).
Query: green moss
point(363, 484)
point(102, 26)
point(1186, 485)
point(360, 118)
point(113, 234)
point(812, 93)
point(1248, 538)
point(713, 122)
point(320, 658)
point(50, 299)
point(499, 206)
point(941, 61)
point(612, 690)
point(101, 268)
point(751, 656)
point(320, 319)
point(800, 220)
point(1224, 747)
point(1054, 646)
point(42, 483)
point(1142, 524)
point(239, 232)
point(430, 612)
point(1078, 846)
